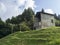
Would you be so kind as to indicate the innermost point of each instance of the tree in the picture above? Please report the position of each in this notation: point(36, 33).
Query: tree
point(14, 20)
point(19, 19)
point(23, 26)
point(58, 17)
point(4, 29)
point(23, 22)
point(8, 21)
point(1, 23)
point(27, 16)
point(55, 16)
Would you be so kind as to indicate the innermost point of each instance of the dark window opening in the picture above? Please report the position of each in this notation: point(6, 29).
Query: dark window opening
point(52, 21)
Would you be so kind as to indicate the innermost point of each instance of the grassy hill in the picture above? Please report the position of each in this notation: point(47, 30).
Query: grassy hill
point(49, 36)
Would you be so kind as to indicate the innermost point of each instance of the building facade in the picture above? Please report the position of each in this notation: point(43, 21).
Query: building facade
point(43, 20)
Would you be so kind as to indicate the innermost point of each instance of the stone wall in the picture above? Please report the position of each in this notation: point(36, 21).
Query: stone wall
point(47, 20)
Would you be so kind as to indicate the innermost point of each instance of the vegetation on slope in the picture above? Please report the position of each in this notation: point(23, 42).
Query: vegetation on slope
point(22, 22)
point(49, 36)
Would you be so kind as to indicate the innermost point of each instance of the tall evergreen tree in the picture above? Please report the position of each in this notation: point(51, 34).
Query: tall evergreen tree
point(8, 20)
point(27, 16)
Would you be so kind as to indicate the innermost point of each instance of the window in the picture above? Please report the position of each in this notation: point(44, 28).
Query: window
point(51, 20)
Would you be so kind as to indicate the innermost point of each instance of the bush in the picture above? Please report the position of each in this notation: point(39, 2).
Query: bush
point(24, 27)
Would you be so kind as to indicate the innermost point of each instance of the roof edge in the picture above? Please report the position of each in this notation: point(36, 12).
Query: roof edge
point(46, 13)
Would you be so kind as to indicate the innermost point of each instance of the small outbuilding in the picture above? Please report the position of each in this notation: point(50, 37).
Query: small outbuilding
point(43, 20)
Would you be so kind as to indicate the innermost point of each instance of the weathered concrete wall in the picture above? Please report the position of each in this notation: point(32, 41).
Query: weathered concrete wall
point(46, 20)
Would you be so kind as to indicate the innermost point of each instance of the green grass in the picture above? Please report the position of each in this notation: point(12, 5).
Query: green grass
point(49, 36)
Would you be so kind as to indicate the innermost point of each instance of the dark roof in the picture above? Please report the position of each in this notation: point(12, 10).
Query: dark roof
point(46, 13)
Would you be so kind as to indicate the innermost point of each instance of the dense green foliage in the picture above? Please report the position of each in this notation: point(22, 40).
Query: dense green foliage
point(57, 20)
point(4, 29)
point(49, 36)
point(21, 22)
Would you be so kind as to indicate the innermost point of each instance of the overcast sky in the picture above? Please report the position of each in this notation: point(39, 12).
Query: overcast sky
point(9, 8)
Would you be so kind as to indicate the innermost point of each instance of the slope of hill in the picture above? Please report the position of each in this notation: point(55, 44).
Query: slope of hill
point(49, 36)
